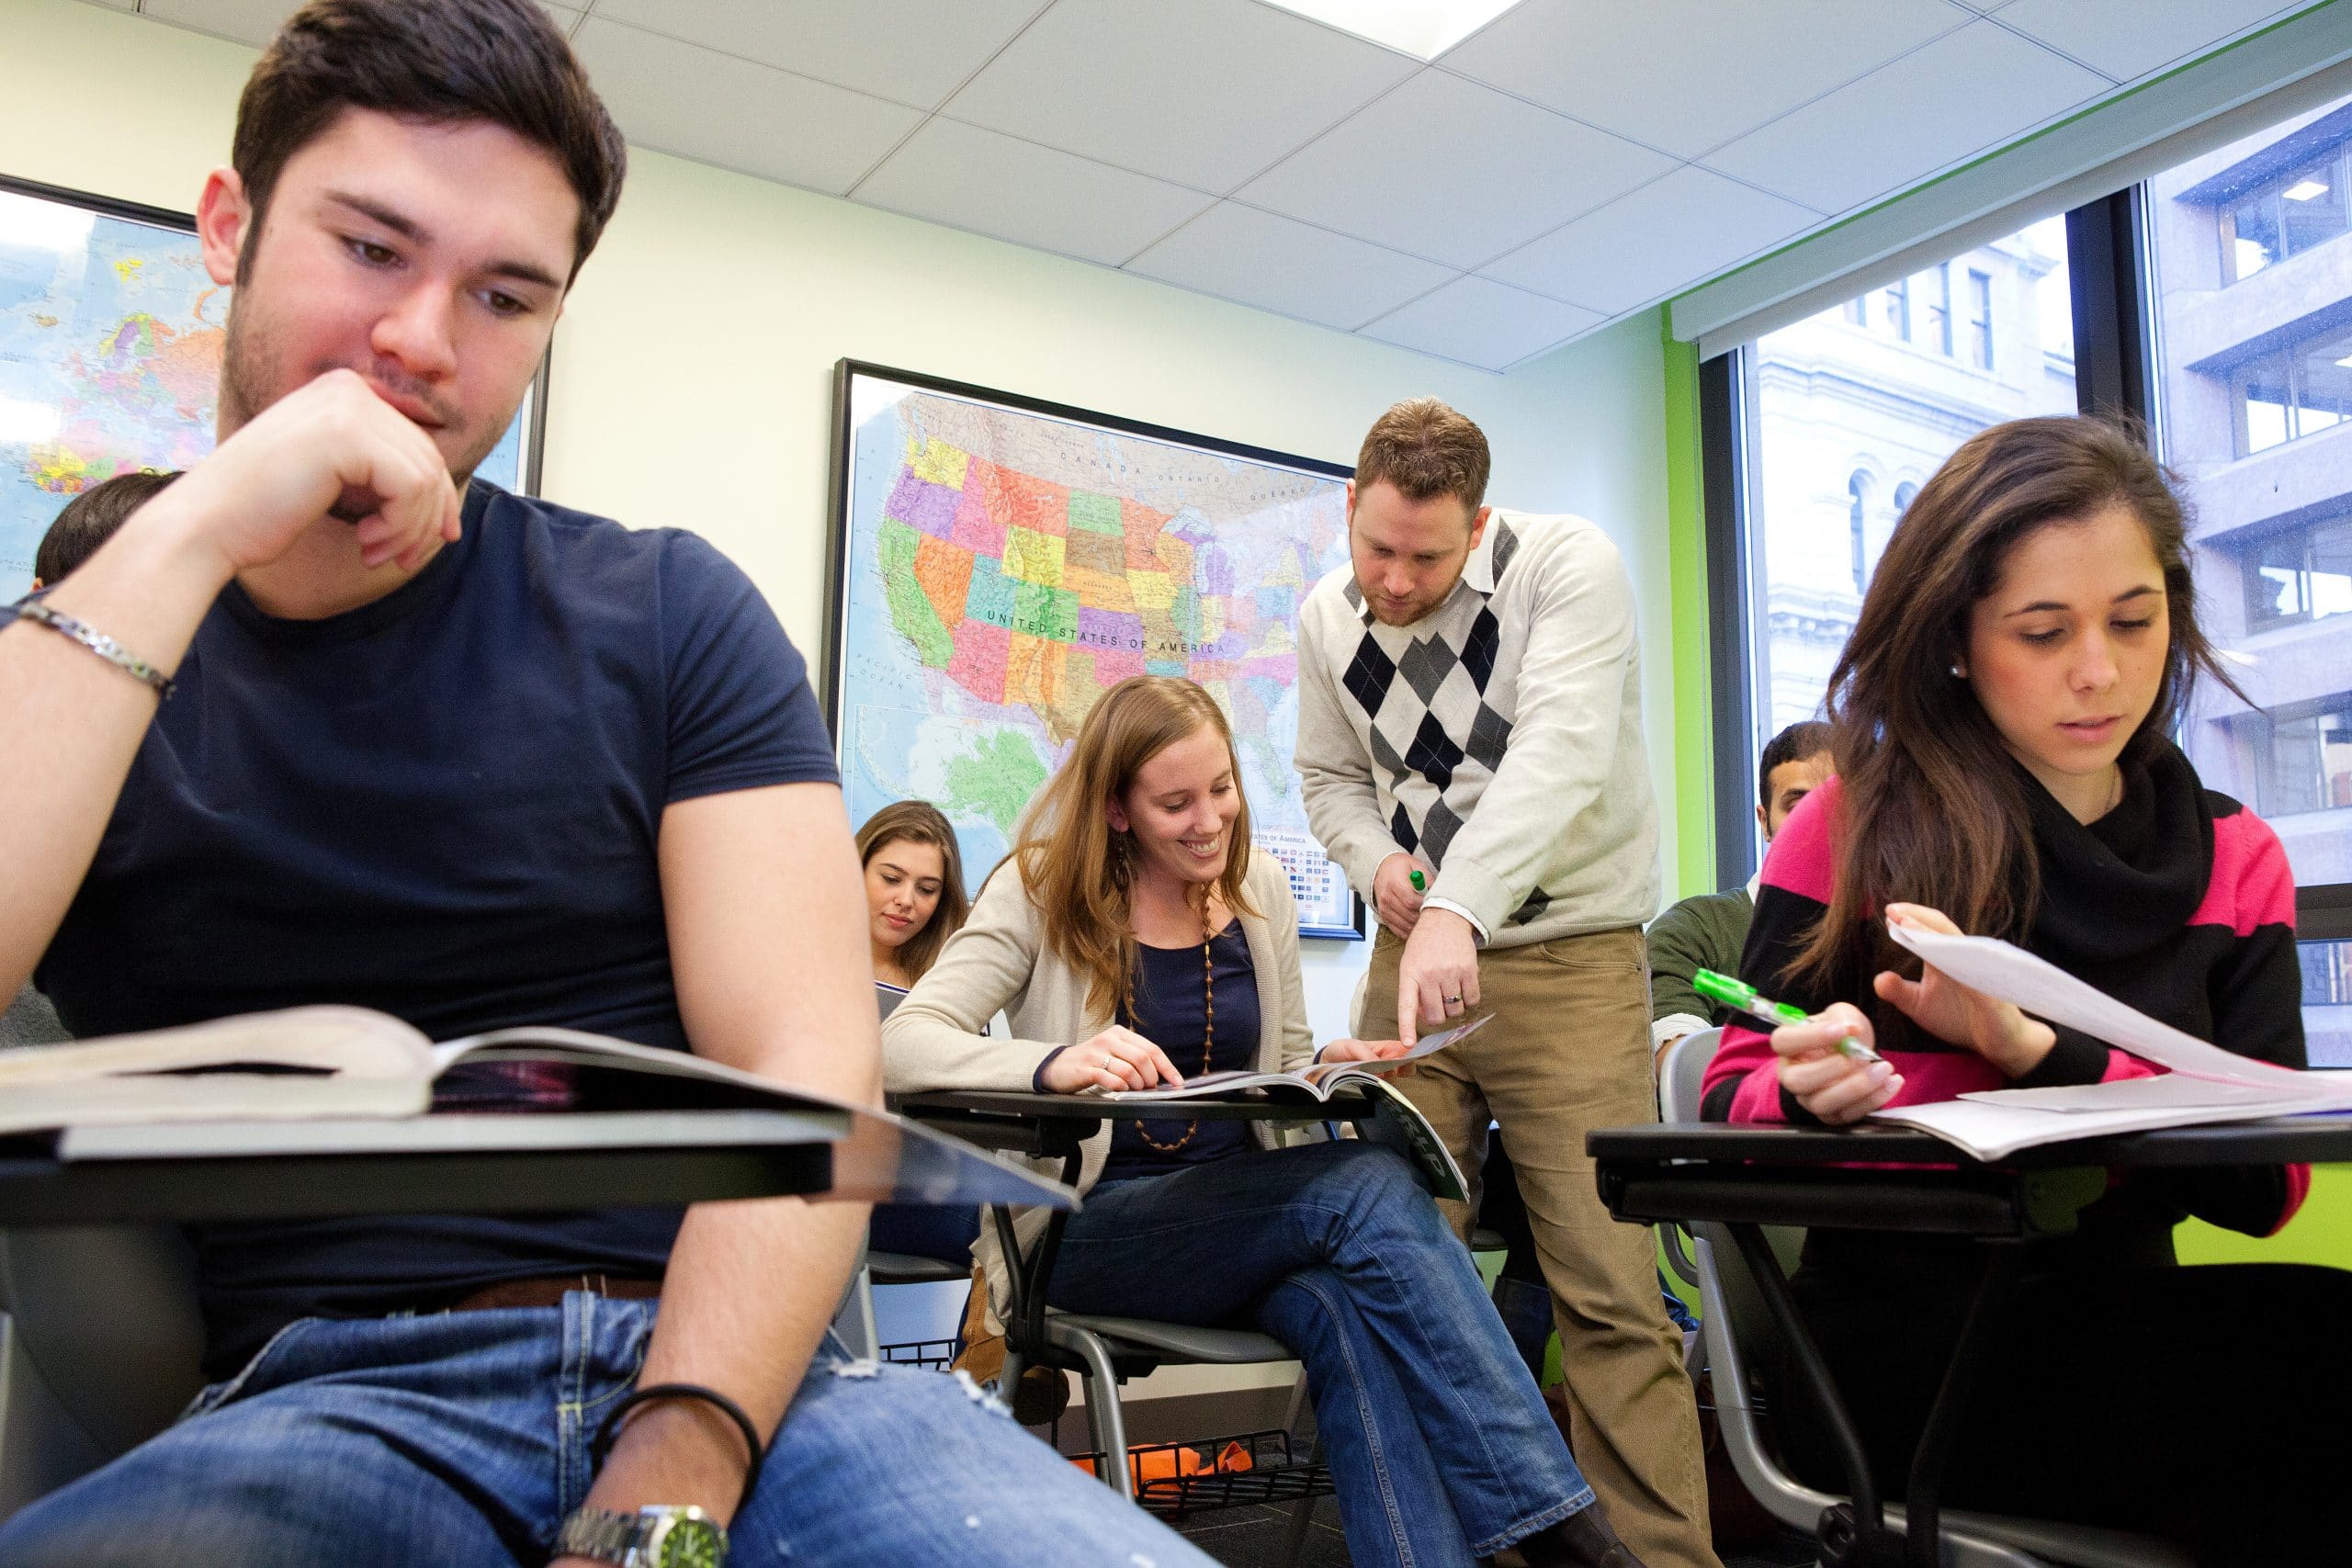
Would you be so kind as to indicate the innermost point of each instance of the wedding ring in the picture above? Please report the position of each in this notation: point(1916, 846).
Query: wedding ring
point(1453, 1002)
point(1107, 1060)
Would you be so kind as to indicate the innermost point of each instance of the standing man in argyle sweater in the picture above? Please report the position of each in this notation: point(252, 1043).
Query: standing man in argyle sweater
point(1469, 710)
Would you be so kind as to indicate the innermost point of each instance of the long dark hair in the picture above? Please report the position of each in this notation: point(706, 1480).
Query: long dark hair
point(1931, 810)
point(919, 822)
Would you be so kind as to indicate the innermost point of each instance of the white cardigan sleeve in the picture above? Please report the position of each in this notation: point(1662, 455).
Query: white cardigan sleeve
point(932, 1040)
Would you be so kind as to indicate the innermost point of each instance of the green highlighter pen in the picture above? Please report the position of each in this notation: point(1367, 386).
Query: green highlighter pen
point(1741, 998)
point(1420, 883)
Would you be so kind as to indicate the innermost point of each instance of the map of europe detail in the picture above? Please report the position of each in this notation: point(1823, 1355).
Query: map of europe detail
point(1008, 568)
point(110, 340)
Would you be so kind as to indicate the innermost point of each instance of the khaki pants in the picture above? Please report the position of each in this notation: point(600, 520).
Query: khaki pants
point(1569, 1051)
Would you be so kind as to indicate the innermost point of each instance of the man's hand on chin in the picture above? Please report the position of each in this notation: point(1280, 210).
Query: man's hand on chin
point(1437, 980)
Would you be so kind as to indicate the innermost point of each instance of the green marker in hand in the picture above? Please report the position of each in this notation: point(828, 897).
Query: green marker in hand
point(1420, 883)
point(1741, 998)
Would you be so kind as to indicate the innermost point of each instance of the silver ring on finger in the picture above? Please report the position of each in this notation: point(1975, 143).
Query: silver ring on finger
point(1109, 1061)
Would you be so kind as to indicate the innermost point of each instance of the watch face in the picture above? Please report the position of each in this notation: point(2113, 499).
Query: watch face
point(686, 1540)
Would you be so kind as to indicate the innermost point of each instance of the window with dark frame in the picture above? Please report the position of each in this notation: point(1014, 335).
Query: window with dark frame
point(1980, 316)
point(2244, 394)
point(1938, 334)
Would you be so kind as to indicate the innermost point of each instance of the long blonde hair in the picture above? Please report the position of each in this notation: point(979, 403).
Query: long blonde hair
point(1078, 870)
point(919, 822)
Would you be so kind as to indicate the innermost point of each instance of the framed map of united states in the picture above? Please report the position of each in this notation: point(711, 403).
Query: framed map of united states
point(1000, 562)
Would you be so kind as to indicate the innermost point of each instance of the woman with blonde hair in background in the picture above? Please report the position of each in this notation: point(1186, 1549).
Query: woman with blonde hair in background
point(1134, 937)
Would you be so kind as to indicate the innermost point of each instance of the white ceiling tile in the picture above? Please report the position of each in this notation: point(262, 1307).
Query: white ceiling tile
point(1686, 75)
point(256, 21)
point(1452, 171)
point(247, 21)
point(1662, 238)
point(1295, 269)
point(912, 52)
point(2131, 38)
point(971, 178)
point(1963, 95)
point(1482, 323)
point(674, 97)
point(1203, 92)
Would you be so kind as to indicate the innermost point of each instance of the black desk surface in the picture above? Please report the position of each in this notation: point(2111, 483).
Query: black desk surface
point(492, 1164)
point(1346, 1105)
point(2322, 1138)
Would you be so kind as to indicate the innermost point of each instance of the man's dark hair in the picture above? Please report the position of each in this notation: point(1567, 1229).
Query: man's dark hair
point(444, 62)
point(89, 520)
point(1807, 738)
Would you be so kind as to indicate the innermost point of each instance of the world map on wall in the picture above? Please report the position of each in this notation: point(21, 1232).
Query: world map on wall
point(110, 340)
point(1004, 569)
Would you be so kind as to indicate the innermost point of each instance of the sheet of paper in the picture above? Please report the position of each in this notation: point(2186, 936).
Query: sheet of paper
point(1995, 1131)
point(2048, 992)
point(2171, 1091)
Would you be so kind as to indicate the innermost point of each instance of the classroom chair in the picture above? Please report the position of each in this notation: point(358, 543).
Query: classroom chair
point(100, 1343)
point(1739, 1336)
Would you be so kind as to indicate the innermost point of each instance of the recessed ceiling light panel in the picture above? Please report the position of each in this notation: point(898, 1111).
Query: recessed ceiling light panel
point(1423, 28)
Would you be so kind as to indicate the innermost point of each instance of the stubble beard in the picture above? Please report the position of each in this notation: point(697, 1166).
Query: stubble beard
point(246, 392)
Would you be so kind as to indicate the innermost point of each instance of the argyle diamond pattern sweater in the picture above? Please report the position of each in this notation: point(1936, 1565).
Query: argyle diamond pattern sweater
point(1499, 737)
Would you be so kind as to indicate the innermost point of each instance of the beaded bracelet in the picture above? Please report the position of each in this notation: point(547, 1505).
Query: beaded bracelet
point(97, 641)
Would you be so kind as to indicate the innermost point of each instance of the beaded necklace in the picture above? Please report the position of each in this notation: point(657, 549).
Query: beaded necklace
point(1208, 1032)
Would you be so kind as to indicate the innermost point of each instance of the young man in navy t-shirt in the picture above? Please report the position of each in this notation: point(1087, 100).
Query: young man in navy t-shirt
point(474, 760)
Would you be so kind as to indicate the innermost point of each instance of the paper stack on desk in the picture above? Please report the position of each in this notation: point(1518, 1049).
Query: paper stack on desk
point(2203, 1083)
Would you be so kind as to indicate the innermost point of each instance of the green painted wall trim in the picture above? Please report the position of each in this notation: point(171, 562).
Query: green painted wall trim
point(2320, 1233)
point(1694, 739)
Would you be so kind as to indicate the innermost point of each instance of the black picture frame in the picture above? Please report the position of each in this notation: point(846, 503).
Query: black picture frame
point(838, 499)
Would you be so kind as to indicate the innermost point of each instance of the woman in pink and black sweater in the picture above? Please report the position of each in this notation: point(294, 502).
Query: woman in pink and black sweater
point(2003, 714)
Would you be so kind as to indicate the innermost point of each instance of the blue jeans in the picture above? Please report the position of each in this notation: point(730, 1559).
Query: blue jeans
point(1438, 1441)
point(462, 1438)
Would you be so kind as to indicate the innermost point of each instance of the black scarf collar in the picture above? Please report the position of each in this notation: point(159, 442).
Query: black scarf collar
point(2124, 884)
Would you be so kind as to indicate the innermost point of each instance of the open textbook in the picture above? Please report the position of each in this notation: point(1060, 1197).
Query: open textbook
point(279, 1082)
point(2202, 1084)
point(1396, 1120)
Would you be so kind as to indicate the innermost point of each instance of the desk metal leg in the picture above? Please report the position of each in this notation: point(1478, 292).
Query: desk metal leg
point(2004, 1261)
point(1871, 1543)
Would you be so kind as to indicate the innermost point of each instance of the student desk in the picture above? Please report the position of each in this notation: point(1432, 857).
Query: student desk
point(215, 1171)
point(1886, 1177)
point(1055, 1125)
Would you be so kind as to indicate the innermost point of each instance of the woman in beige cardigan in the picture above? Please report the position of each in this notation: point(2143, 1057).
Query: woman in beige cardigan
point(1133, 938)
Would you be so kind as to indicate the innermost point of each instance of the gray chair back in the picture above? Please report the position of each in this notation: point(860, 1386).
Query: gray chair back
point(103, 1346)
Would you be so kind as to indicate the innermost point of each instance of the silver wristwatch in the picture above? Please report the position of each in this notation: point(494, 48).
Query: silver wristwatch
point(657, 1536)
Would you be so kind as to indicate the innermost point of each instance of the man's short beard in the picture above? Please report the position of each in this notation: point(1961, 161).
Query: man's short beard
point(244, 391)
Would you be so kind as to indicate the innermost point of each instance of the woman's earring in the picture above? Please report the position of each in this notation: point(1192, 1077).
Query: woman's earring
point(1958, 674)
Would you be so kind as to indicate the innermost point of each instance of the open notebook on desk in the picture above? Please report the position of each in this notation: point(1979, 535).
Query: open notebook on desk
point(2202, 1082)
point(343, 1080)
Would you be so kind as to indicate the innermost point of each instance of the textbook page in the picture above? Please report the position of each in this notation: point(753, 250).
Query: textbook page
point(2048, 992)
point(1990, 1131)
point(1321, 1080)
point(2205, 1084)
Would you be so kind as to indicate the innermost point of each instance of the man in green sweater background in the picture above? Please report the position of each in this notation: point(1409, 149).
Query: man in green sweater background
point(1707, 932)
